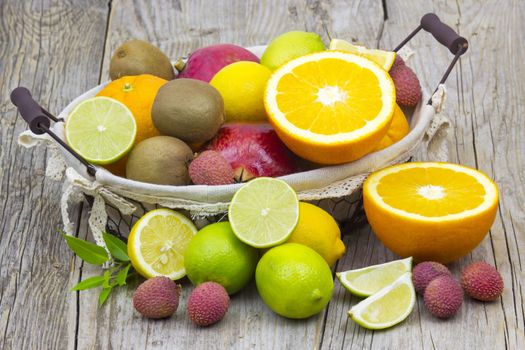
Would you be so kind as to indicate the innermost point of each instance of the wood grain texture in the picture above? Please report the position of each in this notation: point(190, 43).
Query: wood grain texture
point(485, 108)
point(54, 48)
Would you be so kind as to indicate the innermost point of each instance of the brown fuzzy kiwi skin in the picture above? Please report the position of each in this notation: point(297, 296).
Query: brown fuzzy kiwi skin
point(188, 109)
point(161, 160)
point(136, 57)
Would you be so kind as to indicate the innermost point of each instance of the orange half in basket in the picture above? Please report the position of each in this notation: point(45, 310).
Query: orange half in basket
point(330, 107)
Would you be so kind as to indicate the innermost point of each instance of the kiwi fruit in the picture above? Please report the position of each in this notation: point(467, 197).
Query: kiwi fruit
point(188, 109)
point(161, 160)
point(137, 57)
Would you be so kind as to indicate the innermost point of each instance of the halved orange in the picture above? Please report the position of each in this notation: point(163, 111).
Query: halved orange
point(330, 107)
point(398, 129)
point(431, 211)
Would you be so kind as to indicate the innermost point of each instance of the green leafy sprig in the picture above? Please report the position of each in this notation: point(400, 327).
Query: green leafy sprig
point(114, 276)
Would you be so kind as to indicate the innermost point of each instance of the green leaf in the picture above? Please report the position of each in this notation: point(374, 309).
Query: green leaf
point(116, 247)
point(87, 251)
point(89, 283)
point(104, 295)
point(122, 275)
point(107, 278)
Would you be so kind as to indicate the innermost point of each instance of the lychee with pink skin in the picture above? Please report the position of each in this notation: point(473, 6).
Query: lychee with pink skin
point(205, 62)
point(210, 168)
point(208, 304)
point(482, 281)
point(157, 297)
point(423, 273)
point(408, 89)
point(443, 296)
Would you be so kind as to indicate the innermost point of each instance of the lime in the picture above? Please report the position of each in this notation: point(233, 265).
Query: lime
point(157, 242)
point(290, 45)
point(387, 307)
point(241, 85)
point(294, 281)
point(369, 280)
point(215, 254)
point(318, 230)
point(264, 212)
point(101, 130)
point(383, 58)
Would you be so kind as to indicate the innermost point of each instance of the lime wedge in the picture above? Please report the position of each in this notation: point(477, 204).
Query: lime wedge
point(101, 130)
point(387, 307)
point(369, 280)
point(383, 58)
point(264, 212)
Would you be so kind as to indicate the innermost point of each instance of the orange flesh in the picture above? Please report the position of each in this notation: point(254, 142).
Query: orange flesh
point(452, 192)
point(358, 93)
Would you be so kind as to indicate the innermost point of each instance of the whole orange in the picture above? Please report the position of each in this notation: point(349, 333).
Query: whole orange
point(137, 93)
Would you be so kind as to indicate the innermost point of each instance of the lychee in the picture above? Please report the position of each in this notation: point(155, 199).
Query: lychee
point(425, 272)
point(157, 297)
point(408, 89)
point(443, 296)
point(482, 281)
point(208, 304)
point(210, 168)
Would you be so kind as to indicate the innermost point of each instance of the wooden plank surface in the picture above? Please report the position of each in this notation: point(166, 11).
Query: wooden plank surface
point(55, 49)
point(60, 49)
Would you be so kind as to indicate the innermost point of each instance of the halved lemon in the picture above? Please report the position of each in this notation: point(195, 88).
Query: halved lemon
point(101, 129)
point(387, 307)
point(431, 211)
point(383, 58)
point(369, 280)
point(330, 107)
point(157, 242)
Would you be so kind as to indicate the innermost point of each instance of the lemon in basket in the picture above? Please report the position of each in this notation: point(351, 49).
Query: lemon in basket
point(157, 243)
point(330, 107)
point(101, 130)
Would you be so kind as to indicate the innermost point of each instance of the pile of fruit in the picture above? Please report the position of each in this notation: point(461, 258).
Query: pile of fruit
point(227, 116)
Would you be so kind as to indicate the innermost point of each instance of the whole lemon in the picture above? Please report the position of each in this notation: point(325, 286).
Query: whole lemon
point(318, 230)
point(294, 281)
point(216, 254)
point(241, 85)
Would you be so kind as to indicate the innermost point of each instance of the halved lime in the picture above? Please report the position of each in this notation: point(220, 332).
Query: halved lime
point(264, 212)
point(101, 130)
point(387, 307)
point(369, 280)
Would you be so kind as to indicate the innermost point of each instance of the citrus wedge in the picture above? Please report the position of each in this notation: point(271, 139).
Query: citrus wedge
point(330, 107)
point(369, 280)
point(383, 58)
point(431, 211)
point(264, 212)
point(157, 242)
point(387, 307)
point(101, 130)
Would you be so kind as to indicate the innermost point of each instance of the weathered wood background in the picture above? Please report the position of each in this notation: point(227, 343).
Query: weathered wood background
point(58, 49)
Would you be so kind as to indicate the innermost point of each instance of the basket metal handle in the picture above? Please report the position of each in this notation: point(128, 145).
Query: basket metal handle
point(445, 35)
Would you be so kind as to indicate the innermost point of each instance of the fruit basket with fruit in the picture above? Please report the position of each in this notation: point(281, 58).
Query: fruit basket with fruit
point(321, 120)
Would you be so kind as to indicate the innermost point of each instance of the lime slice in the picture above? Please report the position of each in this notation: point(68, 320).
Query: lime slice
point(383, 58)
point(369, 280)
point(101, 130)
point(264, 212)
point(387, 307)
point(158, 241)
